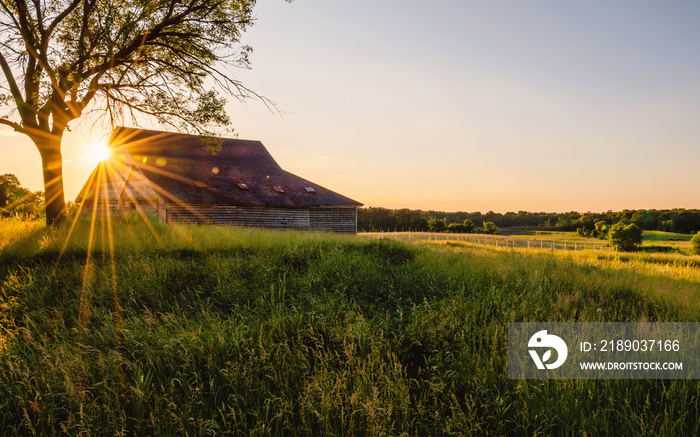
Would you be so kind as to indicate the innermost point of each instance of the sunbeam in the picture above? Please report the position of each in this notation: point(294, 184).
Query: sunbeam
point(97, 152)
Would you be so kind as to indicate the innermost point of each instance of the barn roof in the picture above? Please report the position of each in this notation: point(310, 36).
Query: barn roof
point(98, 181)
point(197, 170)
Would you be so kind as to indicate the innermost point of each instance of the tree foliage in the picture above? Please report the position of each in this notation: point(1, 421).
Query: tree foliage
point(468, 225)
point(17, 200)
point(456, 228)
point(683, 220)
point(437, 225)
point(695, 243)
point(123, 59)
point(419, 224)
point(625, 237)
point(490, 228)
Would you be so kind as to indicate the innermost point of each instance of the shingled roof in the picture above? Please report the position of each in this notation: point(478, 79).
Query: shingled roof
point(198, 170)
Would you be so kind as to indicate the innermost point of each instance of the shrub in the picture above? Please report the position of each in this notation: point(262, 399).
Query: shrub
point(667, 226)
point(490, 228)
point(456, 228)
point(583, 232)
point(601, 226)
point(625, 238)
point(695, 241)
point(468, 225)
point(436, 225)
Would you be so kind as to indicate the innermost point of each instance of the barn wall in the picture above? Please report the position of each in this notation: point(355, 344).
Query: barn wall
point(341, 220)
point(109, 207)
point(147, 208)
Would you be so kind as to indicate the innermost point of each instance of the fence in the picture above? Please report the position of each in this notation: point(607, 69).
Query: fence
point(492, 240)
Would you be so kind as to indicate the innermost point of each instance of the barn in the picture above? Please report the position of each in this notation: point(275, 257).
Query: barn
point(180, 178)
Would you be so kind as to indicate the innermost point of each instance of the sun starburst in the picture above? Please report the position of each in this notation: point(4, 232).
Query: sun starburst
point(98, 152)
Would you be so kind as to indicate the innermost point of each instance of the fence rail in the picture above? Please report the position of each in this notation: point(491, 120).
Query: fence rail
point(492, 240)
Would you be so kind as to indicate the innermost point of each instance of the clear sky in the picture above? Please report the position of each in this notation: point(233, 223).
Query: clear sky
point(467, 105)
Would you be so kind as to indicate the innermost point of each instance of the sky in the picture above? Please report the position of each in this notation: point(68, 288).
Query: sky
point(465, 105)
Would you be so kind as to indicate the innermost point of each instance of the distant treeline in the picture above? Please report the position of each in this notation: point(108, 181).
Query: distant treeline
point(670, 220)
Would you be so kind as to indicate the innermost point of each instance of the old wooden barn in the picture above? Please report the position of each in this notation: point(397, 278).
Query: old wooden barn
point(180, 178)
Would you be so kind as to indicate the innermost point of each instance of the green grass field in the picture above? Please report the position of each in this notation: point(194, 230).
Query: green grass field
point(652, 241)
point(133, 329)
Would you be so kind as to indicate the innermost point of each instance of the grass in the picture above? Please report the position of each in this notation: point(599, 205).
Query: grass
point(652, 241)
point(668, 242)
point(196, 330)
point(14, 231)
point(658, 241)
point(660, 236)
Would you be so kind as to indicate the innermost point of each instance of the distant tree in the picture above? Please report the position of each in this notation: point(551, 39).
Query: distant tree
point(563, 224)
point(695, 242)
point(468, 226)
point(436, 225)
point(490, 228)
point(419, 224)
point(683, 220)
point(667, 226)
point(625, 237)
point(124, 59)
point(17, 200)
point(9, 186)
point(600, 230)
point(642, 218)
point(456, 228)
point(584, 232)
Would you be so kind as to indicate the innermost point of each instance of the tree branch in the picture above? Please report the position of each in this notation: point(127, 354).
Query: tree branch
point(60, 17)
point(13, 125)
point(14, 89)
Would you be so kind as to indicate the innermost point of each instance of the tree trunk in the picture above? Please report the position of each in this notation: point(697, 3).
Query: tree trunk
point(52, 167)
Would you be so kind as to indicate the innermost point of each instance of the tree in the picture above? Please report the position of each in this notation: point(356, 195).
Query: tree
point(456, 228)
point(468, 226)
point(436, 225)
point(9, 187)
point(667, 226)
point(17, 200)
point(419, 224)
point(601, 226)
point(625, 237)
point(695, 242)
point(490, 228)
point(61, 59)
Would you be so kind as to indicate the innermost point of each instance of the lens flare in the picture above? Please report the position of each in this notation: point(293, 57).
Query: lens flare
point(98, 152)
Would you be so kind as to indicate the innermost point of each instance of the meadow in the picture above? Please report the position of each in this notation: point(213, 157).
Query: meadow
point(123, 327)
point(652, 241)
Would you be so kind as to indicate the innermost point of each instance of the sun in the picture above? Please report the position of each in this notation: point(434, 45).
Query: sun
point(97, 152)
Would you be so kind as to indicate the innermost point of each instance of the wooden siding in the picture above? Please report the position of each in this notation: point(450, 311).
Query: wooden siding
point(108, 206)
point(340, 220)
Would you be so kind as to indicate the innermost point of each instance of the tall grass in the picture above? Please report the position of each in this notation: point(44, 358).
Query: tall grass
point(195, 330)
